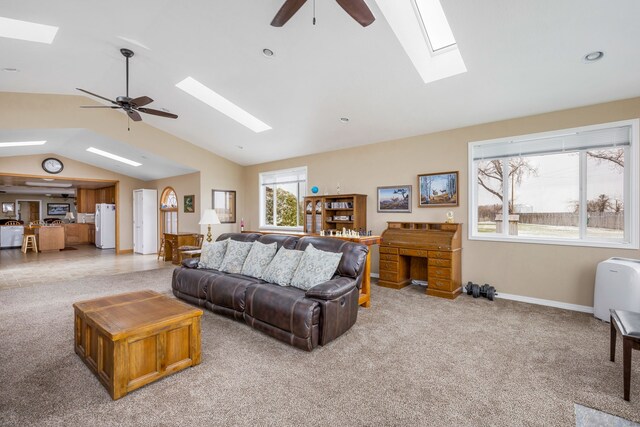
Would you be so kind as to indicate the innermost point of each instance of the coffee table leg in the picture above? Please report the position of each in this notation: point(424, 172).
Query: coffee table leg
point(195, 341)
point(120, 370)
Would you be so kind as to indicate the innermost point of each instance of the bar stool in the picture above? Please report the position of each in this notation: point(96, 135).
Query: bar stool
point(628, 324)
point(29, 242)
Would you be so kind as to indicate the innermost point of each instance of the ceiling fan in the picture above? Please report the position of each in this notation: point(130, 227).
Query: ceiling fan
point(357, 9)
point(130, 105)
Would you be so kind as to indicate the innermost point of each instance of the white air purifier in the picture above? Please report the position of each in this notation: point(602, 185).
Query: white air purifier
point(617, 286)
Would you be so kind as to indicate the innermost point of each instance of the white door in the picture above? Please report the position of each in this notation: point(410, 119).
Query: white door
point(138, 218)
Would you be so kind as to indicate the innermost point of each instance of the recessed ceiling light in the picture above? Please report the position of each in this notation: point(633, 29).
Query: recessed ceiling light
point(220, 103)
point(267, 52)
point(29, 31)
point(49, 184)
point(21, 143)
point(47, 179)
point(113, 156)
point(344, 119)
point(48, 194)
point(593, 56)
point(10, 70)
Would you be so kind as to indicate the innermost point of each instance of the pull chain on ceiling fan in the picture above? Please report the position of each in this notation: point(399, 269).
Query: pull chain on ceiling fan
point(131, 106)
point(357, 9)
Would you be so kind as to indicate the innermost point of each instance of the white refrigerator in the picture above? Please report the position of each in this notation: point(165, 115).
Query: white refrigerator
point(105, 226)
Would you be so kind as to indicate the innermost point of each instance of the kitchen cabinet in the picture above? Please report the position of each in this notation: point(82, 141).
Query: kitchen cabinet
point(86, 198)
point(78, 233)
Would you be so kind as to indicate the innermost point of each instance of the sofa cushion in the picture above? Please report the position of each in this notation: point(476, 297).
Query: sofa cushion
point(315, 267)
point(212, 254)
point(228, 290)
point(258, 259)
point(286, 308)
point(281, 268)
point(235, 256)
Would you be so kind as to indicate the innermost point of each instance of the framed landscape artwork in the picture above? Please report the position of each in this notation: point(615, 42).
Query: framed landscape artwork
point(224, 203)
point(438, 189)
point(57, 208)
point(189, 204)
point(396, 198)
point(8, 207)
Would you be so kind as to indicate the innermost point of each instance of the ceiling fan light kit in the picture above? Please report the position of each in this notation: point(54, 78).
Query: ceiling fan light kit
point(131, 106)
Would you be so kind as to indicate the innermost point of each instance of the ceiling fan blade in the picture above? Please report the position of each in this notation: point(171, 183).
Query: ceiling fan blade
point(358, 10)
point(141, 101)
point(134, 116)
point(288, 9)
point(97, 96)
point(98, 106)
point(158, 113)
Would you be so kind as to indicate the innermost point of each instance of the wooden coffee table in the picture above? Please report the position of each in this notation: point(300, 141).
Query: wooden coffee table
point(129, 340)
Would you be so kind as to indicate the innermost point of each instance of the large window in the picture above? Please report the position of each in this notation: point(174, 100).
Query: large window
point(281, 197)
point(575, 187)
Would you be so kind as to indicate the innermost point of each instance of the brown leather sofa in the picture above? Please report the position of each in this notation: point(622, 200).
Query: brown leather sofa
point(304, 319)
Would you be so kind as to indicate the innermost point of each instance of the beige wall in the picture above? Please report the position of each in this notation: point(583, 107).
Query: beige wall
point(183, 185)
point(43, 203)
point(559, 273)
point(31, 165)
point(25, 111)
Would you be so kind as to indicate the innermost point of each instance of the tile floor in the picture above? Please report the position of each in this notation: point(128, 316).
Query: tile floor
point(32, 269)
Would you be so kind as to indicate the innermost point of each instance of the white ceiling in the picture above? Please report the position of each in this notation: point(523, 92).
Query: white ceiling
point(73, 143)
point(523, 57)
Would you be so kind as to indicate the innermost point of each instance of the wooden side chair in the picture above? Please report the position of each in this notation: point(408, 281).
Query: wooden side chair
point(12, 223)
point(56, 222)
point(628, 324)
point(36, 223)
point(191, 250)
point(161, 249)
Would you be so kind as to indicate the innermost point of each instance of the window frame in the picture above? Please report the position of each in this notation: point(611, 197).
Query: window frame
point(631, 188)
point(261, 197)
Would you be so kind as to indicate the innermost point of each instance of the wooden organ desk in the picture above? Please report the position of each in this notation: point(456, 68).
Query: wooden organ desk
point(422, 251)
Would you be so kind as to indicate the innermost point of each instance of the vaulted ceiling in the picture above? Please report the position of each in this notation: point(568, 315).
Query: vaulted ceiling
point(523, 57)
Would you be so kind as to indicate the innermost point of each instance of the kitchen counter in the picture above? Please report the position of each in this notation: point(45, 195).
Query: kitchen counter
point(79, 233)
point(11, 236)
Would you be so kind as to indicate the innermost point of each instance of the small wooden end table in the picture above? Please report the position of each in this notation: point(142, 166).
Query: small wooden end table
point(129, 340)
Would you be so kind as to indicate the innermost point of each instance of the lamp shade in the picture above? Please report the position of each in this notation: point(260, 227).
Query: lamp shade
point(69, 216)
point(209, 217)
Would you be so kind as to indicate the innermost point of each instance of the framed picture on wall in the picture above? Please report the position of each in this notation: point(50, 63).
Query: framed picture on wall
point(438, 189)
point(8, 207)
point(190, 204)
point(396, 198)
point(57, 208)
point(224, 202)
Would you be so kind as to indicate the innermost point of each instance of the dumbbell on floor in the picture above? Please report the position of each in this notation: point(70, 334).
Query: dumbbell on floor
point(485, 290)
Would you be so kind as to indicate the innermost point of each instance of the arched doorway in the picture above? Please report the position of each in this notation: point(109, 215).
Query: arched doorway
point(168, 211)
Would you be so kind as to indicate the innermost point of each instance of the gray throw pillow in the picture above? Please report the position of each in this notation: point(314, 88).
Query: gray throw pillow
point(212, 254)
point(258, 259)
point(234, 258)
point(281, 268)
point(315, 267)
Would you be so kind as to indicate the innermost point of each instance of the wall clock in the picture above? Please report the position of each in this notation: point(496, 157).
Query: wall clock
point(52, 165)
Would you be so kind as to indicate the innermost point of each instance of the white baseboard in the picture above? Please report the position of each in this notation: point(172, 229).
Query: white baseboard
point(537, 301)
point(547, 302)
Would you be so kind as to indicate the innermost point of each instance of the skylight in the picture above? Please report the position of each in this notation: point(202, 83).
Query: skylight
point(21, 143)
point(220, 103)
point(113, 156)
point(423, 31)
point(435, 24)
point(29, 31)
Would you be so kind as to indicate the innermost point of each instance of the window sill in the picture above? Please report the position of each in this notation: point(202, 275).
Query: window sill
point(558, 242)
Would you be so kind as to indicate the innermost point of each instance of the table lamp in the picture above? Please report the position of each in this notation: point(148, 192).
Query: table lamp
point(209, 217)
point(69, 216)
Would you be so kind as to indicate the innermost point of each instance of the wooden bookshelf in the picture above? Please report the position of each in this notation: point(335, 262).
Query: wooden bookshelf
point(335, 212)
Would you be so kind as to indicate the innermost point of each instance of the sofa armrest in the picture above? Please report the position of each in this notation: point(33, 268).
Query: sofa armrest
point(190, 262)
point(332, 289)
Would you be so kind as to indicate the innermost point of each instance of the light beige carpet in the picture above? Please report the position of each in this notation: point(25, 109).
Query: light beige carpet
point(409, 360)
